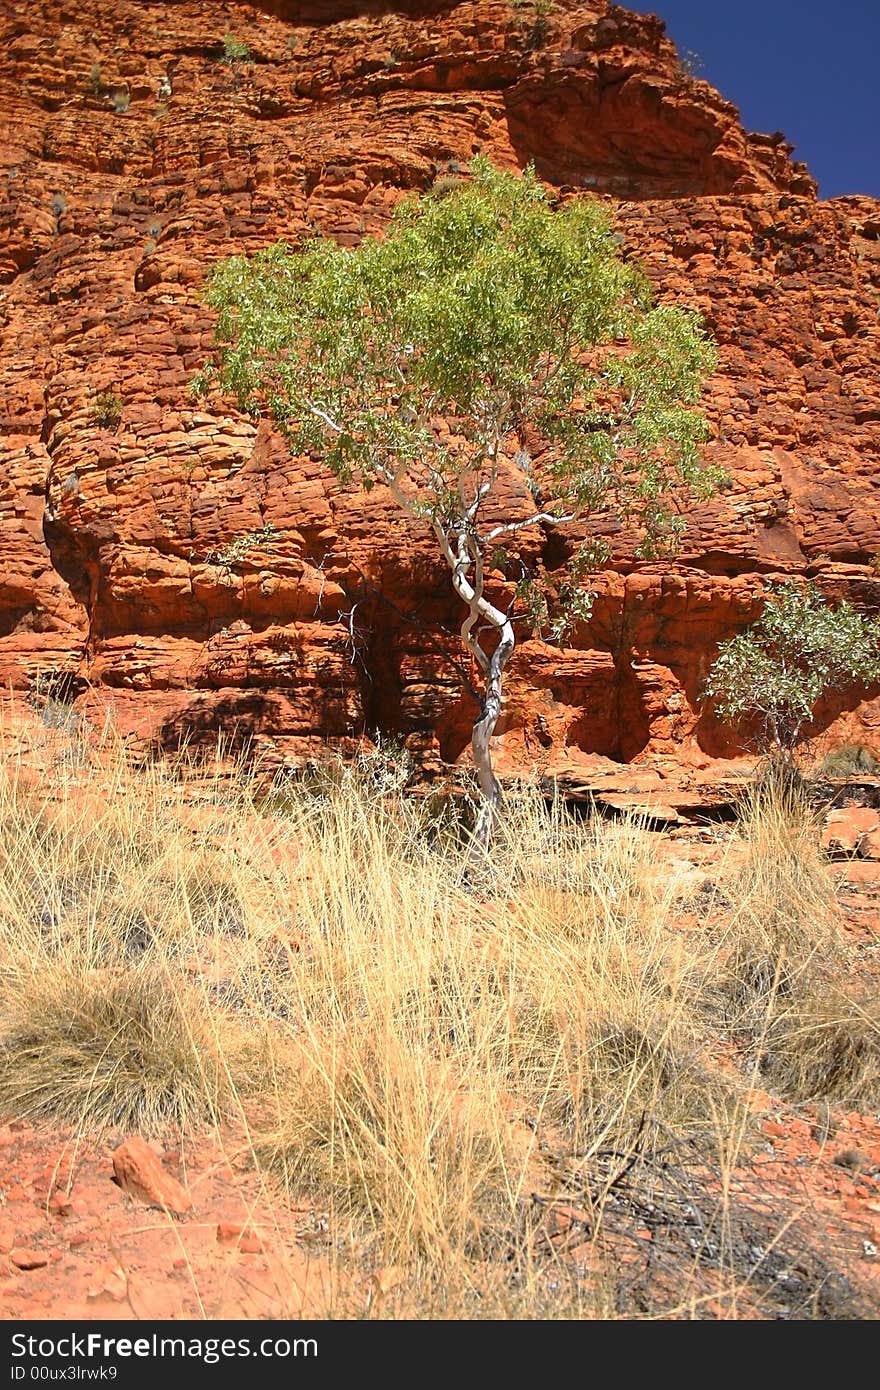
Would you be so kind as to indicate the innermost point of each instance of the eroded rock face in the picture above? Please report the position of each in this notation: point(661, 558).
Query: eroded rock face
point(137, 153)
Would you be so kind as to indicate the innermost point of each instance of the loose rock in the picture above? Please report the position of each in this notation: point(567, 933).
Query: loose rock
point(28, 1259)
point(138, 1172)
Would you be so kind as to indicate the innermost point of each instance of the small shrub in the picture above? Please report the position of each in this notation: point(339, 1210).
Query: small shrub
point(850, 760)
point(445, 183)
point(107, 410)
point(787, 975)
point(241, 547)
point(374, 772)
point(825, 1045)
point(690, 64)
point(56, 714)
point(800, 650)
point(90, 1046)
point(235, 50)
point(537, 30)
point(53, 692)
point(386, 767)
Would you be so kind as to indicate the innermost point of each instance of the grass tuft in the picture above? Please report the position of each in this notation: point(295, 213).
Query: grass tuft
point(112, 1051)
point(789, 976)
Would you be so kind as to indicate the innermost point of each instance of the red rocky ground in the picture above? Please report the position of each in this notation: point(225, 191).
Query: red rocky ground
point(73, 1244)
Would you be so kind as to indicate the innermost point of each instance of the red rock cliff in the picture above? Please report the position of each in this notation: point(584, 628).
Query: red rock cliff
point(134, 156)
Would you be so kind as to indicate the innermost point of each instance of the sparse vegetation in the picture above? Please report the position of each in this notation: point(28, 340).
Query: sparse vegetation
point(235, 50)
point(690, 64)
point(801, 649)
point(534, 17)
point(443, 1057)
point(791, 979)
point(243, 546)
point(107, 410)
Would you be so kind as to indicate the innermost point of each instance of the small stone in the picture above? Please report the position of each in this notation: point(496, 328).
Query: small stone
point(845, 830)
point(228, 1232)
point(242, 1237)
point(110, 1282)
point(869, 845)
point(59, 1204)
point(28, 1259)
point(139, 1172)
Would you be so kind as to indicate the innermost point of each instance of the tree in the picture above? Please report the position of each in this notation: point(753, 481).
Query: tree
point(798, 651)
point(428, 361)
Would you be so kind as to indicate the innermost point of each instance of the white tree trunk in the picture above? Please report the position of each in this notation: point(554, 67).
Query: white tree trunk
point(464, 559)
point(481, 739)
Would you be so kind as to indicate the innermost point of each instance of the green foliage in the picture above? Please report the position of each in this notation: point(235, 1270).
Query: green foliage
point(690, 63)
point(488, 307)
point(539, 19)
point(107, 410)
point(799, 651)
point(235, 50)
point(242, 547)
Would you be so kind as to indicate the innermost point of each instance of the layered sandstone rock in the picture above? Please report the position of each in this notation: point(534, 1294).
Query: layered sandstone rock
point(136, 154)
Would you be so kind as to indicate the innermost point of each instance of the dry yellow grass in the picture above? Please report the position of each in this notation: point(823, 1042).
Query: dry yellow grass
point(790, 977)
point(438, 1051)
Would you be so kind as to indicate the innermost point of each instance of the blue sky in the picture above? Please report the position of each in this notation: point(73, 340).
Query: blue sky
point(805, 67)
